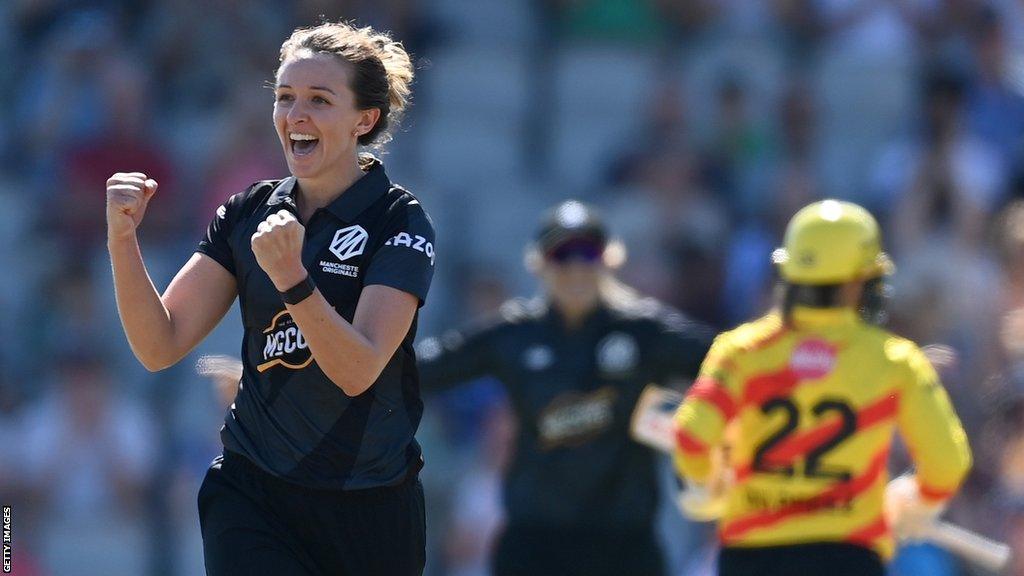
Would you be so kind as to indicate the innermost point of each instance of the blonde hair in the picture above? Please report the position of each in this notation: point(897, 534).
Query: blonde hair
point(382, 71)
point(617, 293)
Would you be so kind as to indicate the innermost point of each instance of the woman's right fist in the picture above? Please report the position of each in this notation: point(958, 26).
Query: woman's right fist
point(128, 194)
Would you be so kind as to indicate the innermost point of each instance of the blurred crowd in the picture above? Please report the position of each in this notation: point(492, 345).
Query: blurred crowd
point(699, 126)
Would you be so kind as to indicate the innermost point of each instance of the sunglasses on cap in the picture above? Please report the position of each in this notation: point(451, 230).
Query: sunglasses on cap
point(584, 250)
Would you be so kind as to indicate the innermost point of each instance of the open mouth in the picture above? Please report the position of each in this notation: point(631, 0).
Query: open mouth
point(303, 144)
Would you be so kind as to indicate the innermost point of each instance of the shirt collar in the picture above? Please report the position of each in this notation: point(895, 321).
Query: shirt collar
point(596, 317)
point(373, 184)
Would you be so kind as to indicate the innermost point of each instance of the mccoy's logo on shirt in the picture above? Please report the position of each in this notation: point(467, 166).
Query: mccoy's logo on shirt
point(285, 345)
point(574, 418)
point(414, 241)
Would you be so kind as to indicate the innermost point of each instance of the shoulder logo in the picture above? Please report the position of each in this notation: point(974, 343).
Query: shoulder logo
point(414, 241)
point(222, 211)
point(349, 242)
point(617, 352)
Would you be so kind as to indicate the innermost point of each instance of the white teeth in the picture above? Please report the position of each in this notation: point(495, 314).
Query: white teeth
point(297, 136)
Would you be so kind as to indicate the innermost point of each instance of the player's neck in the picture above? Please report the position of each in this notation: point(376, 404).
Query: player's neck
point(573, 317)
point(321, 190)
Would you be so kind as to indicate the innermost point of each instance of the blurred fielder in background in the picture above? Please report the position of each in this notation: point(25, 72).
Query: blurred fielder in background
point(580, 494)
point(811, 393)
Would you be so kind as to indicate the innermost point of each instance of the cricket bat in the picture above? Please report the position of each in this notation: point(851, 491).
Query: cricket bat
point(653, 425)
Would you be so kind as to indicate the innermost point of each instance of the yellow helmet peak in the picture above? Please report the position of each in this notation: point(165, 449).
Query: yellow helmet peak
point(832, 242)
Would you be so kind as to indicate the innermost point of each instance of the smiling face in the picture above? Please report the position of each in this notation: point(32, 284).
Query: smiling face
point(316, 117)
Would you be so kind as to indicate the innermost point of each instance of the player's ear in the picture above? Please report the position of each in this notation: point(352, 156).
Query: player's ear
point(367, 120)
point(614, 254)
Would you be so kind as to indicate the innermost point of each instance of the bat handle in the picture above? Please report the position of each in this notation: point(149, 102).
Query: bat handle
point(985, 553)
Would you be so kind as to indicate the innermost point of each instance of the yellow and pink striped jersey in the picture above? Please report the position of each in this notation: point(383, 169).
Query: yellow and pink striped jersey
point(812, 405)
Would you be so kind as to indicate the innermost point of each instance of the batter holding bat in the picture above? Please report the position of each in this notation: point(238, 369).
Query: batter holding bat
point(812, 393)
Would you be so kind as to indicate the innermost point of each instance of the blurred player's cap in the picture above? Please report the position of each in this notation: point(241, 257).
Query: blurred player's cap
point(832, 242)
point(570, 221)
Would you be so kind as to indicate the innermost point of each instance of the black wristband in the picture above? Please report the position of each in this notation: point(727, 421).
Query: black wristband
point(299, 292)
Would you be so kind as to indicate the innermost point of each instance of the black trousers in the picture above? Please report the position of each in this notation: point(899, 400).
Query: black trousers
point(824, 559)
point(547, 552)
point(256, 524)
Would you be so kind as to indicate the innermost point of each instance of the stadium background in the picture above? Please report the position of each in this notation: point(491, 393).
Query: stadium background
point(698, 125)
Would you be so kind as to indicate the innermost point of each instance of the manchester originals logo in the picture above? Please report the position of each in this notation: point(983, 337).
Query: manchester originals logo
point(349, 242)
point(285, 345)
point(341, 269)
point(617, 353)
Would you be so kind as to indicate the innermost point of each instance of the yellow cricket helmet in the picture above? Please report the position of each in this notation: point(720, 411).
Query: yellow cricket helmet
point(832, 242)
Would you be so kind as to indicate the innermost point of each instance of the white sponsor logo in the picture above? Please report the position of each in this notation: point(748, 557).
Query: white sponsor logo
point(617, 352)
point(342, 269)
point(349, 242)
point(538, 357)
point(414, 241)
point(574, 418)
point(813, 359)
point(222, 211)
point(285, 344)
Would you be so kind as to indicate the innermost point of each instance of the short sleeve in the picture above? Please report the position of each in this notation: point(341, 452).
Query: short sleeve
point(929, 425)
point(406, 259)
point(217, 242)
point(702, 417)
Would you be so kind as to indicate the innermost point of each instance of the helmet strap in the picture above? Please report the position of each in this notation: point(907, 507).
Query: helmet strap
point(811, 296)
point(874, 301)
point(872, 306)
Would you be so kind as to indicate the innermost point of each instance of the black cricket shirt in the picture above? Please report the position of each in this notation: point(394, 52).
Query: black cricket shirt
point(575, 466)
point(288, 417)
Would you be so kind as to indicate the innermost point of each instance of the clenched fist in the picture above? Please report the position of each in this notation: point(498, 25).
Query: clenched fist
point(277, 245)
point(128, 194)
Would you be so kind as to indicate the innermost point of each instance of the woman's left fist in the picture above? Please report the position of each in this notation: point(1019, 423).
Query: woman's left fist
point(277, 245)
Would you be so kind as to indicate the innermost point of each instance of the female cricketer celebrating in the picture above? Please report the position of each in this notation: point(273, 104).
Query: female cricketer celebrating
point(319, 471)
point(812, 393)
point(580, 494)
